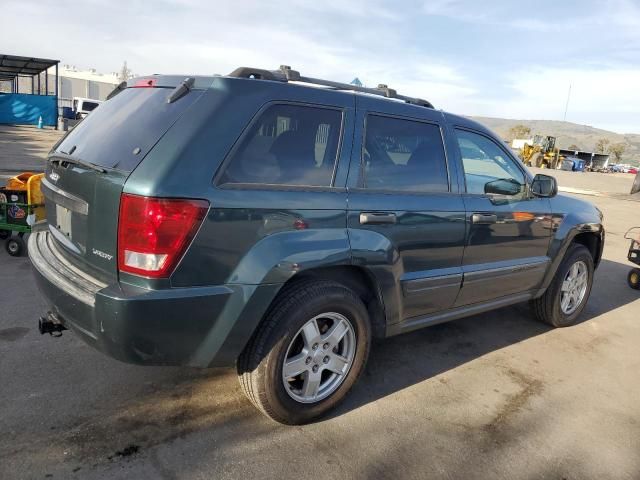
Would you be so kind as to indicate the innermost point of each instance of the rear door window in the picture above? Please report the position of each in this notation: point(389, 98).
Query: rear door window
point(123, 130)
point(287, 145)
point(403, 155)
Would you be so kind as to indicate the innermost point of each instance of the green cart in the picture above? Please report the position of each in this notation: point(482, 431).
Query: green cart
point(634, 256)
point(21, 207)
point(8, 225)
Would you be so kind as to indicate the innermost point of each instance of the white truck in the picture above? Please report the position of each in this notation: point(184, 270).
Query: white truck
point(83, 106)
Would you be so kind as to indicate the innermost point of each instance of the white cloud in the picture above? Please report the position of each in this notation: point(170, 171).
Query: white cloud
point(442, 7)
point(609, 14)
point(464, 70)
point(332, 39)
point(354, 8)
point(607, 98)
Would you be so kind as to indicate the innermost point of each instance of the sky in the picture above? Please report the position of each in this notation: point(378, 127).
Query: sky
point(507, 58)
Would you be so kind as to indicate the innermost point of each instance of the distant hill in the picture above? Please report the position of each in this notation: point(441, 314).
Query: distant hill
point(567, 133)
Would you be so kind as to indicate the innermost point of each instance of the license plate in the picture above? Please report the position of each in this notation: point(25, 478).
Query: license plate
point(63, 220)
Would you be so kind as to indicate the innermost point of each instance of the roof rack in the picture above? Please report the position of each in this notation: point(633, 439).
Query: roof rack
point(286, 74)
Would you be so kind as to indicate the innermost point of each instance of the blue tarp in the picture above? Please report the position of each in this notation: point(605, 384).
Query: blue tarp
point(23, 109)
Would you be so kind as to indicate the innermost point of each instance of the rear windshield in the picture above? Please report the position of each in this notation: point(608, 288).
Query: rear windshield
point(123, 130)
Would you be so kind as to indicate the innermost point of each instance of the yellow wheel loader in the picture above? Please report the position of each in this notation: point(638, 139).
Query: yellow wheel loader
point(542, 153)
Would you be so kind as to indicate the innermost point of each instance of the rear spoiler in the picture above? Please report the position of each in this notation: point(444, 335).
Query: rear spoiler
point(121, 86)
point(181, 85)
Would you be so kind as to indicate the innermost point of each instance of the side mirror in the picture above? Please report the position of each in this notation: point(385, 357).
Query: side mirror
point(544, 186)
point(503, 186)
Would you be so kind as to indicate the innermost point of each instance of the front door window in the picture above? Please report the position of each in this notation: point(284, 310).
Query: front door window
point(487, 168)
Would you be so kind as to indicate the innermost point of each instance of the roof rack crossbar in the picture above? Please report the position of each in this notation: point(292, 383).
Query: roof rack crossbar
point(286, 74)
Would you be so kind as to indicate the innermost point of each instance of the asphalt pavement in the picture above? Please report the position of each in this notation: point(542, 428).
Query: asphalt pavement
point(616, 185)
point(24, 149)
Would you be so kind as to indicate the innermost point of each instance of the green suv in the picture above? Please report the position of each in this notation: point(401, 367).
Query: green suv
point(278, 223)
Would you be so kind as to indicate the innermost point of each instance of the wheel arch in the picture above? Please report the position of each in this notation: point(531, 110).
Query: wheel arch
point(590, 235)
point(356, 278)
point(594, 242)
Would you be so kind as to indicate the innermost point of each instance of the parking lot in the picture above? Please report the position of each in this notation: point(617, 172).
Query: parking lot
point(23, 148)
point(497, 395)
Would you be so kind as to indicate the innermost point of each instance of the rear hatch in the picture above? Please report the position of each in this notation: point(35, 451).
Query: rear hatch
point(87, 170)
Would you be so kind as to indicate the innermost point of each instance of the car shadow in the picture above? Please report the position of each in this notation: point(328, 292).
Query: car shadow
point(399, 362)
point(610, 289)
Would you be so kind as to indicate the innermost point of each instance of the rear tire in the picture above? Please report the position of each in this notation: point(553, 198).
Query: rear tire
point(564, 300)
point(14, 246)
point(536, 160)
point(634, 278)
point(318, 328)
point(4, 234)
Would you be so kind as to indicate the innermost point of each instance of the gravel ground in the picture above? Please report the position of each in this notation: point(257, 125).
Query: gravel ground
point(613, 184)
point(24, 148)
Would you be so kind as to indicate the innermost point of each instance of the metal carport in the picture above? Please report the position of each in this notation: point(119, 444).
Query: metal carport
point(23, 108)
point(592, 159)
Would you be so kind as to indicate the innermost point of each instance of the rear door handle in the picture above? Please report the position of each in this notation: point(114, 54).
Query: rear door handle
point(483, 218)
point(377, 218)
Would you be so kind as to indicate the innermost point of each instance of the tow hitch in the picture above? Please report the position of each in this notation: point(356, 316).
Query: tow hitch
point(51, 325)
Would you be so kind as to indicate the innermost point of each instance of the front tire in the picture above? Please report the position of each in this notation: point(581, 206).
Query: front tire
point(536, 160)
point(568, 293)
point(307, 353)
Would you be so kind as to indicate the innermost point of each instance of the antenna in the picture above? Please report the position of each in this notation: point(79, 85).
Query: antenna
point(566, 107)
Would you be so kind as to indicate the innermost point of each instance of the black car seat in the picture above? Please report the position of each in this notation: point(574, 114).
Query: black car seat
point(295, 154)
point(428, 166)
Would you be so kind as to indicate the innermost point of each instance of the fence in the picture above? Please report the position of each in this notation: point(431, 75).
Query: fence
point(23, 109)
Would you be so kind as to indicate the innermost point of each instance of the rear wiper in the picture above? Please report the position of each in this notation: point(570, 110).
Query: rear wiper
point(65, 157)
point(181, 90)
point(121, 86)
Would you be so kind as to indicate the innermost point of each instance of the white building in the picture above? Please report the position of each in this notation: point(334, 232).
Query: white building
point(519, 143)
point(83, 83)
point(72, 83)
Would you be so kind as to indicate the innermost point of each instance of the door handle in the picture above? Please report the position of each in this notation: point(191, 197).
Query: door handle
point(377, 218)
point(483, 218)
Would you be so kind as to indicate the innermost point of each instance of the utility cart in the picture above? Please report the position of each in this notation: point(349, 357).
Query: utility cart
point(634, 257)
point(21, 207)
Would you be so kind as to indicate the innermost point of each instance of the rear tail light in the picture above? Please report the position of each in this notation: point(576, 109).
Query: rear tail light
point(154, 233)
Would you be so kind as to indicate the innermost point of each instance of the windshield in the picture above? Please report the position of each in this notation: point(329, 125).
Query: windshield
point(123, 130)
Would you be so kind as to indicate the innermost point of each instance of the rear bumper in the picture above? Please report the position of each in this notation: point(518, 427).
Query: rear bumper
point(199, 326)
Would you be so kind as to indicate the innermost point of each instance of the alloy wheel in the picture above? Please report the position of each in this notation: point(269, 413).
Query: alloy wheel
point(574, 287)
point(319, 357)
